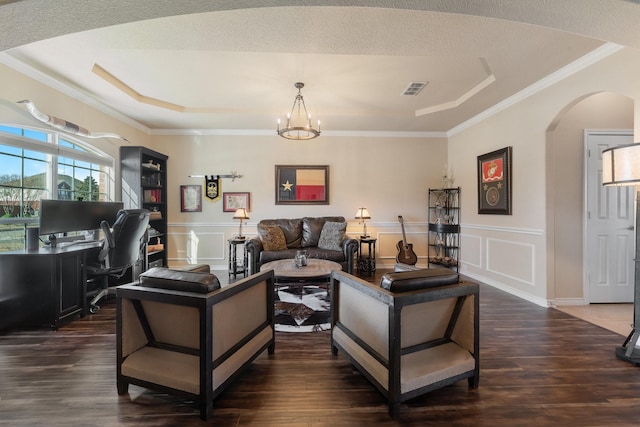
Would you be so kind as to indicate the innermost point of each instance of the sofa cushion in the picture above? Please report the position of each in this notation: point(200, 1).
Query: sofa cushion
point(312, 228)
point(336, 256)
point(403, 281)
point(292, 229)
point(179, 280)
point(272, 237)
point(332, 235)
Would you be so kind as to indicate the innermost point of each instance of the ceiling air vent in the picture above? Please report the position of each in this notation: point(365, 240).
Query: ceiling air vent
point(414, 88)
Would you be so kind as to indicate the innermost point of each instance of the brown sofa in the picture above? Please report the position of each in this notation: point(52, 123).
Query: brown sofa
point(301, 233)
point(414, 333)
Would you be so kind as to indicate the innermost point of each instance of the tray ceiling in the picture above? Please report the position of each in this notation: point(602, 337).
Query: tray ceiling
point(235, 69)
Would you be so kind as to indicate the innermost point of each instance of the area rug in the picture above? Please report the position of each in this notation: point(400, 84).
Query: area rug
point(302, 309)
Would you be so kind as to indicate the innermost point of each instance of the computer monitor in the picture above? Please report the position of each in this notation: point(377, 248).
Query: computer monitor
point(66, 216)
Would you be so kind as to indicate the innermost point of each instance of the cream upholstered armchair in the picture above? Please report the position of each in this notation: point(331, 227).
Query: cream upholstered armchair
point(180, 333)
point(416, 332)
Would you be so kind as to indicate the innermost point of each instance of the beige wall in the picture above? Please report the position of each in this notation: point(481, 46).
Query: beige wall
point(566, 183)
point(389, 176)
point(511, 252)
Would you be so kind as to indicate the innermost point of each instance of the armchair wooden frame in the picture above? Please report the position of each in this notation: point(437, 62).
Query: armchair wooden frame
point(137, 328)
point(377, 350)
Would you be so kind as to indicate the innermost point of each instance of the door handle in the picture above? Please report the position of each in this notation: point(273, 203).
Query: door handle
point(631, 228)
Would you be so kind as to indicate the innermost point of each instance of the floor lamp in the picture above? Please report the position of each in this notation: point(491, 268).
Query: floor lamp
point(621, 166)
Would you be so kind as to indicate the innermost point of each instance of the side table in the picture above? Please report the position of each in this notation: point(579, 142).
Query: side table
point(238, 264)
point(367, 263)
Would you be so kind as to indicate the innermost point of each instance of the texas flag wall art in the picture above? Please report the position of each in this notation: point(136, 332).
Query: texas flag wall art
point(302, 185)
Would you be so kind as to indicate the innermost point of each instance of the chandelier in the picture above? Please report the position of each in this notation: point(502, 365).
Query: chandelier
point(298, 120)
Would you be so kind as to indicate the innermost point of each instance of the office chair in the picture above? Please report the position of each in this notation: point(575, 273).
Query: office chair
point(122, 247)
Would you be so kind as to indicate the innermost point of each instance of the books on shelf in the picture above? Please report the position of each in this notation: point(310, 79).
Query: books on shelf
point(152, 232)
point(153, 179)
point(153, 196)
point(155, 248)
point(151, 165)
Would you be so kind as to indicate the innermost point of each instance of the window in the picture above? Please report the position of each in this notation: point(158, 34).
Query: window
point(81, 179)
point(40, 164)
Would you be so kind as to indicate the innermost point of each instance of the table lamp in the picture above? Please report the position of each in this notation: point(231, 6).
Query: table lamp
point(621, 166)
point(240, 214)
point(363, 214)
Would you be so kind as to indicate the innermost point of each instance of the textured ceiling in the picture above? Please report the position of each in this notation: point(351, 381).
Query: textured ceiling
point(235, 68)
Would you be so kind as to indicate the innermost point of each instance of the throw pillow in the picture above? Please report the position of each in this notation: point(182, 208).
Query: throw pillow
point(272, 237)
point(332, 235)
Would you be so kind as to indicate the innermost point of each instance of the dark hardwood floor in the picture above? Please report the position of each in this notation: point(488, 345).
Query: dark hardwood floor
point(539, 367)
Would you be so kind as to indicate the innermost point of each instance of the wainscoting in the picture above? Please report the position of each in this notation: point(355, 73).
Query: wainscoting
point(504, 257)
point(206, 243)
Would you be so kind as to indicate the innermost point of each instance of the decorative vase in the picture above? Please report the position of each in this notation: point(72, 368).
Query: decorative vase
point(301, 258)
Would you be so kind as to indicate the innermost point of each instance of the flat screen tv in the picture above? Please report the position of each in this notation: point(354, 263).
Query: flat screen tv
point(65, 216)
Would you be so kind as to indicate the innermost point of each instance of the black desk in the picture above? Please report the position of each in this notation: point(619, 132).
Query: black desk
point(44, 286)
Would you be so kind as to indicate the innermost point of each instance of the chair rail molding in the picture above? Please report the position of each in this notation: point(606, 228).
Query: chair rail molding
point(513, 230)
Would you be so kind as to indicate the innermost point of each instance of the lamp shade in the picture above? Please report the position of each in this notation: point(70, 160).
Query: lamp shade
point(621, 165)
point(241, 214)
point(363, 213)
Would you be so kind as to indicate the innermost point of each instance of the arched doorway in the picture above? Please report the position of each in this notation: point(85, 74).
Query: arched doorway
point(565, 185)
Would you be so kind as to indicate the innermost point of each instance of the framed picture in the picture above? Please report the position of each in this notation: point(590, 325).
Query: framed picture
point(233, 201)
point(494, 182)
point(191, 198)
point(302, 185)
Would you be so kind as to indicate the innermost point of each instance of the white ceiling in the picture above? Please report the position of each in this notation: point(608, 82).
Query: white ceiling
point(235, 69)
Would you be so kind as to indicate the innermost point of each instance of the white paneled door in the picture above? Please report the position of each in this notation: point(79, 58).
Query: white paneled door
point(610, 225)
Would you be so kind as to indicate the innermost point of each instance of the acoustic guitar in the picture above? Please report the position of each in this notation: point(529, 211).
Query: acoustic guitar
point(405, 250)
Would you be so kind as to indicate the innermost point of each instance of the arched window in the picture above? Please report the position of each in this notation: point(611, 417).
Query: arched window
point(41, 164)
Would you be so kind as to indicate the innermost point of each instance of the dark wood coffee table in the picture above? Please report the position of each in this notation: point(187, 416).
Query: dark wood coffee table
point(301, 294)
point(316, 270)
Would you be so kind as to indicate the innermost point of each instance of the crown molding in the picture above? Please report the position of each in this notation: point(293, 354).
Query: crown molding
point(83, 97)
point(585, 61)
point(579, 64)
point(272, 132)
point(66, 89)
